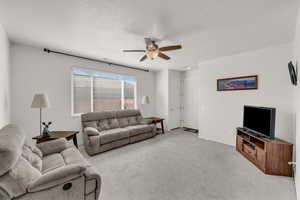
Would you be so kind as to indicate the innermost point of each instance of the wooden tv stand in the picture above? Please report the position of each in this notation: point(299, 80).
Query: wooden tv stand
point(270, 156)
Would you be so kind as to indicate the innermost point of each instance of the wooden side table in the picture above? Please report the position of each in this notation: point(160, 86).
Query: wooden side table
point(69, 135)
point(156, 120)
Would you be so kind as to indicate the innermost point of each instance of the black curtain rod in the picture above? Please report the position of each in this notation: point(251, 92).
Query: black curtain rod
point(95, 60)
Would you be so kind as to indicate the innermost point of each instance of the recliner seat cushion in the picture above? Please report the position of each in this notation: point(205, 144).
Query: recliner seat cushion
point(113, 135)
point(68, 156)
point(52, 161)
point(138, 129)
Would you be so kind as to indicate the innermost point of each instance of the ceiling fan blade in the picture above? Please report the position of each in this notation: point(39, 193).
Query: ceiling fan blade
point(148, 41)
point(143, 58)
point(164, 56)
point(170, 48)
point(133, 50)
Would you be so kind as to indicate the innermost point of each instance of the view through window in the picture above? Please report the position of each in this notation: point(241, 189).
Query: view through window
point(95, 91)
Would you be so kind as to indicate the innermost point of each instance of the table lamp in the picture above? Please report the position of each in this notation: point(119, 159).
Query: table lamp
point(40, 101)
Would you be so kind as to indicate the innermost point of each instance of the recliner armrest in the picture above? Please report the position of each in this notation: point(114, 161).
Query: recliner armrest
point(53, 146)
point(56, 177)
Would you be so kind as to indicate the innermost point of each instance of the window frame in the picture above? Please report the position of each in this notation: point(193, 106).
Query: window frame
point(73, 114)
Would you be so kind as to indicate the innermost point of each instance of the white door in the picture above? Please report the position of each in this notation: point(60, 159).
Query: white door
point(190, 102)
point(174, 99)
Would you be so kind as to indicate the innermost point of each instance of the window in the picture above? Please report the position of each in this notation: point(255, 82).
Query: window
point(96, 91)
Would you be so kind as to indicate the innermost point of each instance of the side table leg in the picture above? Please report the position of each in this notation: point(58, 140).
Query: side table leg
point(75, 141)
point(162, 127)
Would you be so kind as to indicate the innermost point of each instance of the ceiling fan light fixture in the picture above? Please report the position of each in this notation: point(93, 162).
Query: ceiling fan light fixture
point(152, 54)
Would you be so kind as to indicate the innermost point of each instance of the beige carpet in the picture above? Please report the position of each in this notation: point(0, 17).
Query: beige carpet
point(180, 166)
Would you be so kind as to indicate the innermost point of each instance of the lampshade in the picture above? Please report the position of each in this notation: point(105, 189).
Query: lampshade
point(145, 100)
point(40, 101)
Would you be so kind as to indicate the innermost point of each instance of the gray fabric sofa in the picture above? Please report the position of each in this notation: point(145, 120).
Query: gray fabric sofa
point(48, 171)
point(103, 131)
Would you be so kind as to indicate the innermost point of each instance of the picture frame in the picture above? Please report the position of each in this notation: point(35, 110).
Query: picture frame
point(238, 83)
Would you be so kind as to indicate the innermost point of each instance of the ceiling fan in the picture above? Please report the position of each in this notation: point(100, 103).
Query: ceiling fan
point(152, 50)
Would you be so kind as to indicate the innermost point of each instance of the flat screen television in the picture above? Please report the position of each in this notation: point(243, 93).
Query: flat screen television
point(260, 121)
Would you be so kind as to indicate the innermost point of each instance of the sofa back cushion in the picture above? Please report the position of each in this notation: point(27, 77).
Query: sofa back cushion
point(128, 117)
point(100, 120)
point(106, 124)
point(33, 155)
point(11, 146)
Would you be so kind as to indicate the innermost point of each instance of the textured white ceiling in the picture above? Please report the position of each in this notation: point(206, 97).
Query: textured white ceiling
point(103, 28)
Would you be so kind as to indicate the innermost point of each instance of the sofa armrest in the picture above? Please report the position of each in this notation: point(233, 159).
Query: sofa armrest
point(56, 177)
point(90, 131)
point(146, 121)
point(53, 146)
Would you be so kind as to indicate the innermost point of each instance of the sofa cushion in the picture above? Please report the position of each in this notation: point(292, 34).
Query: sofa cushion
point(107, 124)
point(33, 158)
point(92, 124)
point(123, 122)
point(113, 135)
point(96, 116)
point(138, 129)
point(133, 121)
point(113, 123)
point(72, 156)
point(127, 113)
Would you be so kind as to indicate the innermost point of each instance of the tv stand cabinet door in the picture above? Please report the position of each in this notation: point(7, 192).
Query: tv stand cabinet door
point(239, 143)
point(261, 159)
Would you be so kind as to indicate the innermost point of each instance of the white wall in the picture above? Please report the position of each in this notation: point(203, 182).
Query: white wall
point(296, 54)
point(219, 113)
point(35, 71)
point(4, 79)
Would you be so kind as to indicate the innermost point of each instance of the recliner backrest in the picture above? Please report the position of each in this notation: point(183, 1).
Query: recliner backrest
point(20, 164)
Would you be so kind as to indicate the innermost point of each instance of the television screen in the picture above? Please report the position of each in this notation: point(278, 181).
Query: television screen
point(260, 120)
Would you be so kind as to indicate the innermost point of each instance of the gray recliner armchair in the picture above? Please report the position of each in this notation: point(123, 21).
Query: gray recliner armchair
point(50, 171)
